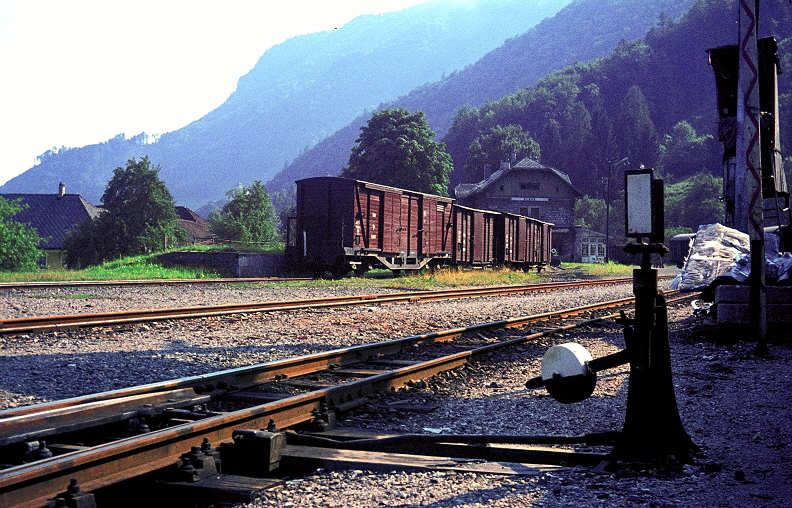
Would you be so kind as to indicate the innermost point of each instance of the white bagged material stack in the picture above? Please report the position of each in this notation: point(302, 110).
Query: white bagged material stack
point(714, 250)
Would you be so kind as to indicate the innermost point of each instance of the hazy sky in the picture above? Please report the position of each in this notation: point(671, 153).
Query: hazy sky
point(78, 72)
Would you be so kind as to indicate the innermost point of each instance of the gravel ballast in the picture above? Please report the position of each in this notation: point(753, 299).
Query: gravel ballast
point(733, 404)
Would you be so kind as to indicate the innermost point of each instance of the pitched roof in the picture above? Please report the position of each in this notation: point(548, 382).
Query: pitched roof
point(185, 213)
point(53, 215)
point(196, 226)
point(468, 189)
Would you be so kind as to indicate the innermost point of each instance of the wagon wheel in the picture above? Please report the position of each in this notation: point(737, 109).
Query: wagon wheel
point(361, 269)
point(338, 270)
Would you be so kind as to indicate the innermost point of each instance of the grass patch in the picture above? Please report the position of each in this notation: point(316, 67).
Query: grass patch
point(600, 269)
point(146, 268)
point(245, 285)
point(143, 267)
point(130, 268)
point(459, 278)
point(428, 280)
point(269, 247)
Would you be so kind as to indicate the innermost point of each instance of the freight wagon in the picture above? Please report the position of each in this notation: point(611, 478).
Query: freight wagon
point(474, 236)
point(344, 224)
point(679, 247)
point(522, 242)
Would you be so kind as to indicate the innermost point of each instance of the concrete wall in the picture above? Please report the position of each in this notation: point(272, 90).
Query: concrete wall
point(732, 303)
point(230, 264)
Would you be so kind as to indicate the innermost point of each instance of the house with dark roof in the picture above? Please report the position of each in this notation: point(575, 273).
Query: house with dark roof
point(196, 226)
point(53, 216)
point(541, 192)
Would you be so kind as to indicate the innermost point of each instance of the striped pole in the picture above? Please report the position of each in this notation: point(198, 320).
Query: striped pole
point(748, 174)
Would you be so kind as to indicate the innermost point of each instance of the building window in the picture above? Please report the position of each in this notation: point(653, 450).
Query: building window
point(529, 186)
point(523, 211)
point(535, 212)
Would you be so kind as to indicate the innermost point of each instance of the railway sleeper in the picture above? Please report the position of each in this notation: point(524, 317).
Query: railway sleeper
point(323, 419)
point(258, 460)
point(216, 489)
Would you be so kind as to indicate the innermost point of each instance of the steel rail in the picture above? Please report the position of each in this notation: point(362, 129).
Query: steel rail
point(35, 324)
point(247, 376)
point(142, 282)
point(31, 485)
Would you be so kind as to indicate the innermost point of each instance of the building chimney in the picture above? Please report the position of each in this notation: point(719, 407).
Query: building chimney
point(61, 189)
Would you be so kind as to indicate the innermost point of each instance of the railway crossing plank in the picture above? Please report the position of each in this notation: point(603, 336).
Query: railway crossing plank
point(334, 459)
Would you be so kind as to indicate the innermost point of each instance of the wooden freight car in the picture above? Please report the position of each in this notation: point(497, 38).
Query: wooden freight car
point(522, 242)
point(539, 239)
point(679, 247)
point(345, 224)
point(474, 236)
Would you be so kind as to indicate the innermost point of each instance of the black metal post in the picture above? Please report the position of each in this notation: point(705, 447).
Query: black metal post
point(607, 218)
point(652, 427)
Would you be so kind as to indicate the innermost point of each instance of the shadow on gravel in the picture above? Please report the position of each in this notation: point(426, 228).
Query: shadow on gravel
point(478, 497)
point(42, 377)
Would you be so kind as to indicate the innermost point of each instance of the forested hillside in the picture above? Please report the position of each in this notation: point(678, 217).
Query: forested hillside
point(652, 100)
point(298, 93)
point(582, 31)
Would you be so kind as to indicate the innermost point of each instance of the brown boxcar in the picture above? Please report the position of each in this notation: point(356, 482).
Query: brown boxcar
point(521, 242)
point(474, 236)
point(538, 238)
point(509, 246)
point(347, 224)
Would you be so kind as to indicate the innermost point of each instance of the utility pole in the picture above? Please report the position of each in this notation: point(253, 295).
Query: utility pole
point(749, 204)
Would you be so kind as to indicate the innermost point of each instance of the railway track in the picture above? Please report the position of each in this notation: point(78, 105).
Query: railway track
point(271, 393)
point(36, 324)
point(141, 282)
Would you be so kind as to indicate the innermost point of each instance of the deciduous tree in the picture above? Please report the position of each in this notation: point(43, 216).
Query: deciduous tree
point(397, 148)
point(139, 217)
point(248, 216)
point(591, 213)
point(684, 152)
point(18, 244)
point(499, 144)
point(694, 202)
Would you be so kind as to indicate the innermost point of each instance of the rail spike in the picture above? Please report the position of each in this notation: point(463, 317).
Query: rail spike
point(74, 497)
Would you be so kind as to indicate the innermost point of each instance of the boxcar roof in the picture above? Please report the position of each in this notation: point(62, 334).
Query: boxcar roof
point(377, 186)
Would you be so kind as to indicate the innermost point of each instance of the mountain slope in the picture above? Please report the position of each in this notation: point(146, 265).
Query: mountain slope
point(652, 100)
point(298, 93)
point(583, 30)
